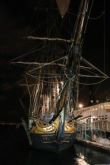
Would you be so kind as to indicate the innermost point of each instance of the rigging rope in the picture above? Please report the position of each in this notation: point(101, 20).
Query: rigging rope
point(33, 50)
point(45, 64)
point(93, 83)
point(10, 124)
point(104, 33)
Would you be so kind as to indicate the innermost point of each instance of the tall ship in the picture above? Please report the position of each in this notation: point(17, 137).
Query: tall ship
point(52, 81)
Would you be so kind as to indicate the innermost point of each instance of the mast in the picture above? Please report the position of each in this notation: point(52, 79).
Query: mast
point(73, 58)
point(73, 63)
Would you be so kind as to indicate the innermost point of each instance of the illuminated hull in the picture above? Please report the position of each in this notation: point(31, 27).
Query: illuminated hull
point(52, 137)
point(50, 142)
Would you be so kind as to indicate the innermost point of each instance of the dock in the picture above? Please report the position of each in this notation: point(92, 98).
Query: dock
point(95, 145)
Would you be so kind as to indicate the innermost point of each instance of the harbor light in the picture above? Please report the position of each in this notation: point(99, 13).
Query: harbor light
point(80, 105)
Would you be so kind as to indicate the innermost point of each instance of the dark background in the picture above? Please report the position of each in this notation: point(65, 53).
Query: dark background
point(21, 18)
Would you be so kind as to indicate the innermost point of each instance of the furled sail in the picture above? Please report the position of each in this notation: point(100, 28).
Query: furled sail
point(61, 102)
point(63, 6)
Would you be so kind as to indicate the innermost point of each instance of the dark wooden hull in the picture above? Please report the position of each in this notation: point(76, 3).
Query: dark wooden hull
point(51, 143)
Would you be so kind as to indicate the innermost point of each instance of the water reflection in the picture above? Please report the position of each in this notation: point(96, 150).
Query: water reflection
point(80, 160)
point(92, 156)
point(49, 158)
point(80, 155)
point(69, 157)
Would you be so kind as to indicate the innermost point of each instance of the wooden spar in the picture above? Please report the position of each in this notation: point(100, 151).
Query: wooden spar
point(81, 21)
point(63, 6)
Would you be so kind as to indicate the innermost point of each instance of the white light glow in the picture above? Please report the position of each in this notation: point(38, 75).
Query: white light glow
point(81, 105)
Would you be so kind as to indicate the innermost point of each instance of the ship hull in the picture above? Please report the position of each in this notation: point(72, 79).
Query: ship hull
point(49, 142)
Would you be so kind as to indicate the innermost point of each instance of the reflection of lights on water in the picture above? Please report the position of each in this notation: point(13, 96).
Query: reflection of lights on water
point(81, 160)
point(81, 156)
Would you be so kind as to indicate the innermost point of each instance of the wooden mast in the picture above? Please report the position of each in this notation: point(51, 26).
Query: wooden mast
point(75, 50)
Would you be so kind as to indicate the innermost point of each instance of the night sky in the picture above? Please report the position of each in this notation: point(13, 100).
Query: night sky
point(21, 18)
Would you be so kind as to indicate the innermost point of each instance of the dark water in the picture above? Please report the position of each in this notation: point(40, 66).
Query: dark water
point(13, 151)
point(17, 155)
